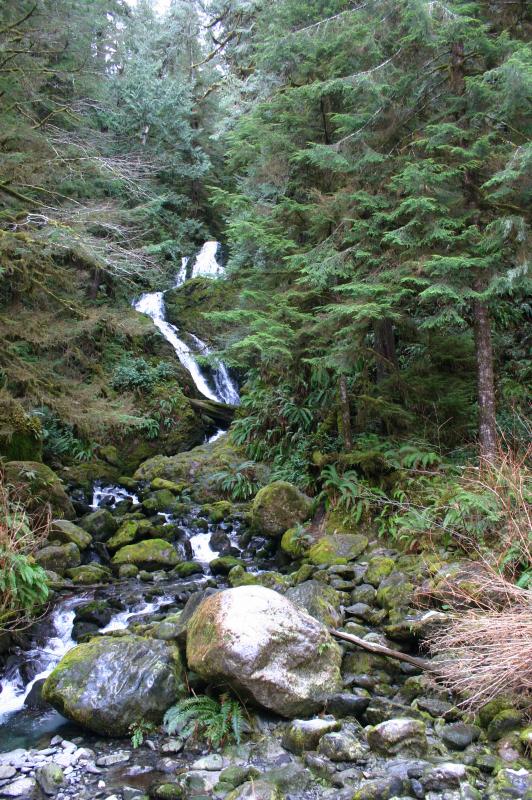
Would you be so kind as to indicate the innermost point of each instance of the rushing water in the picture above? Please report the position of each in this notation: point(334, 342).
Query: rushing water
point(152, 304)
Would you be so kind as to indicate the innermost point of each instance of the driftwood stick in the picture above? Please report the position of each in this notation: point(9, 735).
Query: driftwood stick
point(380, 649)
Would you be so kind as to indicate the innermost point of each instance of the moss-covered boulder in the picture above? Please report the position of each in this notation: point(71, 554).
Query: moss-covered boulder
point(219, 511)
point(224, 564)
point(321, 601)
point(100, 524)
point(379, 567)
point(20, 433)
point(107, 684)
point(265, 648)
point(39, 486)
point(395, 591)
point(337, 548)
point(89, 574)
point(295, 542)
point(402, 735)
point(169, 486)
point(278, 507)
point(129, 531)
point(64, 531)
point(150, 554)
point(58, 557)
point(160, 500)
point(269, 579)
point(199, 468)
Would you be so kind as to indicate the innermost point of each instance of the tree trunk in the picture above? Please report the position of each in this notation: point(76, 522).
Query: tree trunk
point(486, 385)
point(345, 413)
point(385, 348)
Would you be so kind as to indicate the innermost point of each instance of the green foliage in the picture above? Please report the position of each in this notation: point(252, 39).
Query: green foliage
point(139, 730)
point(138, 375)
point(59, 439)
point(238, 482)
point(218, 722)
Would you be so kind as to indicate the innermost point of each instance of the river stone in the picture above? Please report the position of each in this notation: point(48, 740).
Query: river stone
point(379, 567)
point(348, 704)
point(304, 734)
point(279, 506)
point(337, 548)
point(341, 747)
point(265, 648)
point(100, 523)
point(459, 735)
point(150, 554)
point(64, 531)
point(88, 574)
point(107, 684)
point(128, 532)
point(319, 600)
point(26, 788)
point(50, 778)
point(402, 735)
point(256, 790)
point(59, 557)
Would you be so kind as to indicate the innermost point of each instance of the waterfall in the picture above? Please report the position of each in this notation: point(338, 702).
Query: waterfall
point(152, 304)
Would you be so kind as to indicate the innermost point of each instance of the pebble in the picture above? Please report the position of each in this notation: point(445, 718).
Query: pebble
point(120, 757)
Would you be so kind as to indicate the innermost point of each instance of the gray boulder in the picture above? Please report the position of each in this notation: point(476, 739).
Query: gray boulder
point(259, 643)
point(321, 602)
point(107, 684)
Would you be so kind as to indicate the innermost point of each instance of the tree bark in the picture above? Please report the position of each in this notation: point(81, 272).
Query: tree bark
point(345, 413)
point(485, 382)
point(385, 348)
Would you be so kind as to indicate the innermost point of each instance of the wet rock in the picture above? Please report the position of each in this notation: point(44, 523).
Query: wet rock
point(381, 789)
point(292, 777)
point(341, 747)
point(59, 557)
point(129, 531)
point(511, 783)
point(101, 524)
point(97, 611)
point(120, 757)
point(25, 788)
point(89, 574)
point(150, 554)
point(337, 548)
point(348, 704)
point(64, 531)
point(459, 735)
point(379, 567)
point(160, 500)
point(304, 734)
point(401, 735)
point(256, 790)
point(50, 778)
point(7, 772)
point(224, 565)
point(437, 708)
point(235, 775)
point(279, 506)
point(266, 648)
point(107, 684)
point(365, 593)
point(321, 602)
point(443, 776)
point(502, 723)
point(187, 568)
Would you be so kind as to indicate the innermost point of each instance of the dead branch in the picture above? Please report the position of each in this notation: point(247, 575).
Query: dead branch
point(381, 650)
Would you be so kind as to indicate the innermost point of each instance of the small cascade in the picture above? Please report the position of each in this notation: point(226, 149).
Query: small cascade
point(13, 690)
point(119, 622)
point(201, 548)
point(152, 304)
point(112, 495)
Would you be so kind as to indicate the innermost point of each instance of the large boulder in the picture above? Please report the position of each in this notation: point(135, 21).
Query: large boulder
point(264, 647)
point(278, 507)
point(107, 684)
point(100, 524)
point(150, 554)
point(39, 486)
point(64, 531)
point(58, 557)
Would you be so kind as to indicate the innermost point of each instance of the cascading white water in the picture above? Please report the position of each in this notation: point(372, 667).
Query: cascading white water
point(116, 493)
point(119, 621)
point(152, 304)
point(13, 690)
point(201, 548)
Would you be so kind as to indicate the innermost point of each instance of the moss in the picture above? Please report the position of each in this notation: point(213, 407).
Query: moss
point(20, 433)
point(502, 723)
point(219, 511)
point(337, 549)
point(148, 554)
point(379, 567)
point(278, 507)
point(39, 485)
point(224, 565)
point(187, 568)
point(64, 531)
point(128, 532)
point(170, 486)
point(295, 543)
point(89, 574)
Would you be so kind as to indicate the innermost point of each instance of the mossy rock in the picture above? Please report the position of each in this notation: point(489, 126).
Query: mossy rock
point(58, 558)
point(128, 571)
point(321, 601)
point(270, 580)
point(20, 433)
point(279, 506)
point(339, 521)
point(89, 574)
point(100, 524)
point(85, 475)
point(199, 469)
point(109, 683)
point(64, 531)
point(160, 500)
point(295, 543)
point(128, 532)
point(169, 486)
point(395, 591)
point(337, 548)
point(379, 567)
point(219, 511)
point(188, 568)
point(149, 554)
point(224, 565)
point(39, 486)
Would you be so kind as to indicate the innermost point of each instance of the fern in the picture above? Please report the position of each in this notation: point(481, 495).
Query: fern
point(216, 721)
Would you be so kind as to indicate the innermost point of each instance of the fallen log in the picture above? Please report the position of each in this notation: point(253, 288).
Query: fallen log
point(381, 650)
point(218, 412)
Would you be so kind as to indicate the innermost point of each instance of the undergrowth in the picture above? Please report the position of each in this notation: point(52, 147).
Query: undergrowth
point(218, 722)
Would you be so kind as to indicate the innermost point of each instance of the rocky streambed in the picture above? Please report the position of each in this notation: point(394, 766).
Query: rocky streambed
point(162, 588)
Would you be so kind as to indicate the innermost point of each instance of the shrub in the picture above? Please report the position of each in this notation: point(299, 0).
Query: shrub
point(23, 586)
point(216, 721)
point(137, 375)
